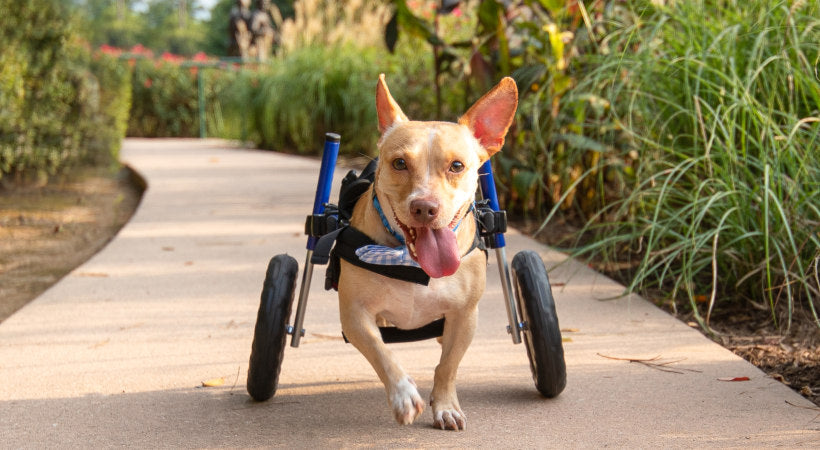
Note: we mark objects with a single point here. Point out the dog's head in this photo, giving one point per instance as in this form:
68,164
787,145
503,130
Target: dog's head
428,171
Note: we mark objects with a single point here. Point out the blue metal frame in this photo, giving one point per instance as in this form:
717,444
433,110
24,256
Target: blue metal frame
329,156
488,192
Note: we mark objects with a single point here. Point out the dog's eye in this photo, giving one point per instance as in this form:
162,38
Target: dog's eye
456,166
399,164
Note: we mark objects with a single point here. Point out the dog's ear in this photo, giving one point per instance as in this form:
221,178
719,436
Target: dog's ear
387,108
491,116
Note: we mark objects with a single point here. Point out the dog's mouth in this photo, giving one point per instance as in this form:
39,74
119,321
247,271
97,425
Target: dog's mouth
435,249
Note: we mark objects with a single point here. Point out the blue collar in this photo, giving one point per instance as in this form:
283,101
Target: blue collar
398,236
378,207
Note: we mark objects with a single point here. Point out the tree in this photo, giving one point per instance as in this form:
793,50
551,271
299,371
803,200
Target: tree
106,22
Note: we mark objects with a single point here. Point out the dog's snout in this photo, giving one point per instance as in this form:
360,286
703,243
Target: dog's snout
424,211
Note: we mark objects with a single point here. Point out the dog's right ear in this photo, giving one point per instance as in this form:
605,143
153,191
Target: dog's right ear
491,116
386,108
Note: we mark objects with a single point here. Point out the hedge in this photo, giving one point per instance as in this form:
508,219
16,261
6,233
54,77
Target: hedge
59,104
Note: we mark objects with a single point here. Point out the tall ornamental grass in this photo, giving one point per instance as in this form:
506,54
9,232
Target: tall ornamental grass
322,79
721,101
315,90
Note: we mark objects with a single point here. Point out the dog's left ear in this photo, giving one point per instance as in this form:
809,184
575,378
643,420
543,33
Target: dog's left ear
491,116
387,109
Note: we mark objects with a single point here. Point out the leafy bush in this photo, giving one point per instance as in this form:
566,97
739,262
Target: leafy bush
164,100
228,93
53,97
721,121
107,120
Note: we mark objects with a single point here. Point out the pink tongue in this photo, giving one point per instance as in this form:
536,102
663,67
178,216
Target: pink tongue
437,251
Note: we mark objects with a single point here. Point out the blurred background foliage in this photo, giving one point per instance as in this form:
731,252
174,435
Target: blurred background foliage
676,153
59,103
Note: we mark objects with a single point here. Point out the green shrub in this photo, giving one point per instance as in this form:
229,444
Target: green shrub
164,100
315,90
53,98
228,92
107,117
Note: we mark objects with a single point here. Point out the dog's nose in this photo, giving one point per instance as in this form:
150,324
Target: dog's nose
424,211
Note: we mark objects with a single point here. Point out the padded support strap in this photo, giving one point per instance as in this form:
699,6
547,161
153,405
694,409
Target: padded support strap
391,335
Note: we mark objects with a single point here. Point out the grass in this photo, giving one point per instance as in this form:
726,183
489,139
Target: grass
321,80
724,115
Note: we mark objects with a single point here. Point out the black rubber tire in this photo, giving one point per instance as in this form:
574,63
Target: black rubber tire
542,335
269,336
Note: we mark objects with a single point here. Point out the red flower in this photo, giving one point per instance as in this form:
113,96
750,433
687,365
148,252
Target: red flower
172,58
140,49
148,83
110,50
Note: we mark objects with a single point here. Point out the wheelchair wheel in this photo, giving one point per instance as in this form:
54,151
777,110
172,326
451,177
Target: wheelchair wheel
270,333
542,335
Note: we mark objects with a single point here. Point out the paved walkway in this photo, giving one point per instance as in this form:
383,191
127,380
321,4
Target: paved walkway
114,354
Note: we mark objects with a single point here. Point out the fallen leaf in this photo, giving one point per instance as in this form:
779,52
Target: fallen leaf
213,382
100,344
566,339
569,330
92,274
733,379
779,378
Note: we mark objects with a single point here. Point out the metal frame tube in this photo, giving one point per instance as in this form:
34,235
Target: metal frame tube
514,327
297,330
488,192
330,153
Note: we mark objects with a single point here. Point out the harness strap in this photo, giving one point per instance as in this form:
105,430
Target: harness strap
322,249
351,239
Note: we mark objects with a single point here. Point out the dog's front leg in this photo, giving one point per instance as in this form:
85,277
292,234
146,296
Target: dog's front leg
459,328
361,330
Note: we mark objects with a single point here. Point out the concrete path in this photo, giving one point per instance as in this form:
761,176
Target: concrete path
115,353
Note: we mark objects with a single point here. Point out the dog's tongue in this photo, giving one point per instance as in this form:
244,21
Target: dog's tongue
437,251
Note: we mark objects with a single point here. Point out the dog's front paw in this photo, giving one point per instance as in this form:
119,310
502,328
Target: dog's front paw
450,419
406,401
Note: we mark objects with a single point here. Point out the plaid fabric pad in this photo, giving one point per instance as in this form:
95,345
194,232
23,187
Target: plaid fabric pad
386,256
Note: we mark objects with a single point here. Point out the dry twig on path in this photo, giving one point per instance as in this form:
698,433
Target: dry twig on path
654,363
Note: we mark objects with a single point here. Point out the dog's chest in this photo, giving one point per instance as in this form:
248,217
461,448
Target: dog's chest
419,305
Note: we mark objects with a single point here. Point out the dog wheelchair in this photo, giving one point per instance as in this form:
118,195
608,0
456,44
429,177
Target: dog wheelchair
527,292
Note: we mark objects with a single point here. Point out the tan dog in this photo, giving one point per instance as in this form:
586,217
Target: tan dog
425,182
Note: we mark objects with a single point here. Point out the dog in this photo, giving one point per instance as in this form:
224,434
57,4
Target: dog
422,203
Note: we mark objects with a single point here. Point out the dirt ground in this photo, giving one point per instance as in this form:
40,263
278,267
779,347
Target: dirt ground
47,231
